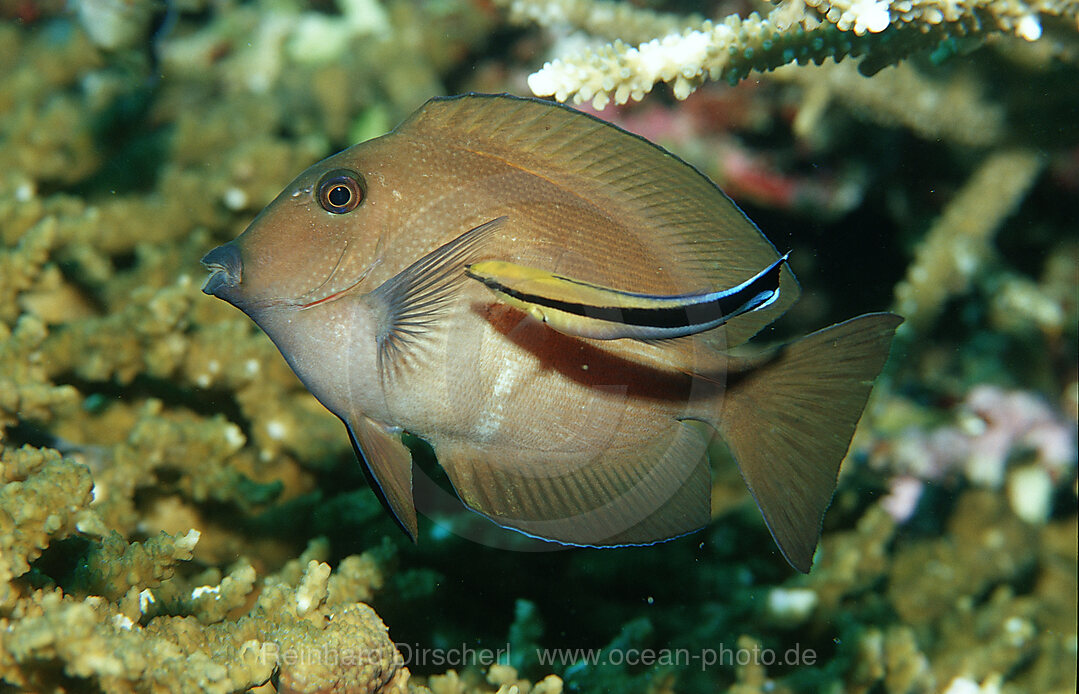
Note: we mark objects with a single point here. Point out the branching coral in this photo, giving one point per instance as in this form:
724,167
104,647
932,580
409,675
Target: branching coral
960,581
345,649
603,18
96,642
119,371
960,240
43,498
883,31
45,129
953,110
24,392
114,566
122,621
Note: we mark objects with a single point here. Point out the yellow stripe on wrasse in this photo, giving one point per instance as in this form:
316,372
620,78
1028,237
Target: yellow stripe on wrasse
582,309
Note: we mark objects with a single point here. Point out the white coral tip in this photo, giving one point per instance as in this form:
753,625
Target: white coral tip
188,541
1029,28
871,16
541,83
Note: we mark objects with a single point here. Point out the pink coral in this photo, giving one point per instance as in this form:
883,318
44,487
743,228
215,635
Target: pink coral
992,427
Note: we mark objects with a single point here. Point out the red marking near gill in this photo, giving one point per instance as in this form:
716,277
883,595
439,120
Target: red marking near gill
335,295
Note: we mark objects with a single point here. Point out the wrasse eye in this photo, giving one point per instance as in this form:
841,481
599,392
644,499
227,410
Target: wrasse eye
340,191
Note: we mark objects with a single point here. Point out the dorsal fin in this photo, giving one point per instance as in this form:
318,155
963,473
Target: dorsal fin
649,188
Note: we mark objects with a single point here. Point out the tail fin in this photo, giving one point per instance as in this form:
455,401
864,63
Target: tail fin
789,422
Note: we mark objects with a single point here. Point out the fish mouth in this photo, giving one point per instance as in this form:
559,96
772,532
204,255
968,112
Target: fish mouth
226,269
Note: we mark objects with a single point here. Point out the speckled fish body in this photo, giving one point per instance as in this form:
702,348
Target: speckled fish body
357,271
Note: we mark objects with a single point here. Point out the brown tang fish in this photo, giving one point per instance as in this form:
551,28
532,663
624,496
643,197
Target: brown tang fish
547,300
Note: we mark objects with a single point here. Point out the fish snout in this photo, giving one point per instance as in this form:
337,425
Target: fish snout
226,269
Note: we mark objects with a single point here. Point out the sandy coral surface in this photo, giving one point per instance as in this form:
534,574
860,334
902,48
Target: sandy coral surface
178,514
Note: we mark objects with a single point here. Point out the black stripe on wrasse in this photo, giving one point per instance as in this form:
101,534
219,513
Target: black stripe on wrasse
687,310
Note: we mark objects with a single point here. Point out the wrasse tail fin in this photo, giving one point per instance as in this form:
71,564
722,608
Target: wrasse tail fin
789,423
387,464
410,301
620,496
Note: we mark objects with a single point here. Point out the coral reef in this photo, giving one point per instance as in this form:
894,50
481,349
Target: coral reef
880,31
176,512
958,242
991,431
123,617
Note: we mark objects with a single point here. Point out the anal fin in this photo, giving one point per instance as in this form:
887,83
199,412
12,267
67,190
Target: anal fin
387,463
626,495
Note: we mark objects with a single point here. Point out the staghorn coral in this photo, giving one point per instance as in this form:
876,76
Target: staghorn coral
953,109
960,240
983,548
964,609
44,498
883,31
103,340
24,392
114,566
47,127
346,650
119,620
996,637
603,18
95,642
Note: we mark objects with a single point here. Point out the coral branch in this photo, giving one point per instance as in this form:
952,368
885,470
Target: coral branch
884,31
954,109
604,18
959,241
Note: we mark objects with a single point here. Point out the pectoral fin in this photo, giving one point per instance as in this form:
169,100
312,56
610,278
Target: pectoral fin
387,463
581,309
410,302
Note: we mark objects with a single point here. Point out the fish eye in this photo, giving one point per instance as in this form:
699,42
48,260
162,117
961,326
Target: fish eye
340,191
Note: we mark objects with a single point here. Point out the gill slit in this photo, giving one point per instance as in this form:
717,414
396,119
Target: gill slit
337,266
